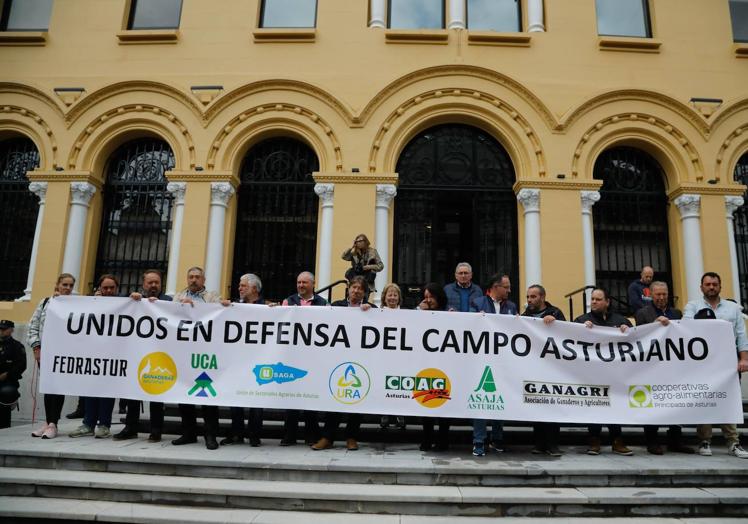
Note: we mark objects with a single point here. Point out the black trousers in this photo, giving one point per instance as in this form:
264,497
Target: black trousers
53,407
7,391
546,434
188,412
254,422
674,435
291,424
332,421
613,429
133,415
428,430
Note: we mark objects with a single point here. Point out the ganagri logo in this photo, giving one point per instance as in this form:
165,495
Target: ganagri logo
430,387
157,373
279,373
640,396
485,397
349,383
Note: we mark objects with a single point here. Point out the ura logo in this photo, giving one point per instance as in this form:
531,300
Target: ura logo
349,383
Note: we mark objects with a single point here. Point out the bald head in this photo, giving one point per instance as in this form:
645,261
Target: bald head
647,275
305,285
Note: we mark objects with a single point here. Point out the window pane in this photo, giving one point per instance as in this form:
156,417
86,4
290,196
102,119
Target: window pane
289,13
494,15
416,14
29,15
739,15
622,18
155,14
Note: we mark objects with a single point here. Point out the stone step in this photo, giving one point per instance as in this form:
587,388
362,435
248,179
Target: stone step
374,498
58,510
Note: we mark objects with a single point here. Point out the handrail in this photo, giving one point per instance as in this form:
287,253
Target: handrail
622,304
329,289
578,290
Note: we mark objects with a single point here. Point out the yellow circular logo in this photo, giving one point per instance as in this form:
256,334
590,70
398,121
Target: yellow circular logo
431,388
157,373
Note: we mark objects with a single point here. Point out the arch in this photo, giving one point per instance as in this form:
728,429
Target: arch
726,112
33,92
106,132
494,116
258,123
669,146
22,121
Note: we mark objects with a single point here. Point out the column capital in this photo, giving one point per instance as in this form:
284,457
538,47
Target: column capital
178,189
589,199
530,199
220,193
689,206
325,192
40,190
732,203
385,194
82,192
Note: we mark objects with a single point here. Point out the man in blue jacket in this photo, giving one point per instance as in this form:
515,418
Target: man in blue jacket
462,292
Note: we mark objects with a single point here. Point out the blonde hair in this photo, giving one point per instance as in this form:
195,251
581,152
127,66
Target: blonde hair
396,288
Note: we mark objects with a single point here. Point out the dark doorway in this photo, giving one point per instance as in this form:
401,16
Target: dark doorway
741,231
455,203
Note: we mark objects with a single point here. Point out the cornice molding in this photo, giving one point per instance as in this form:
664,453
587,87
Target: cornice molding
698,189
356,178
202,176
63,176
576,185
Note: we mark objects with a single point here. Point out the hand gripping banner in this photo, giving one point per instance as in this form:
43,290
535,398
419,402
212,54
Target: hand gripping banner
395,362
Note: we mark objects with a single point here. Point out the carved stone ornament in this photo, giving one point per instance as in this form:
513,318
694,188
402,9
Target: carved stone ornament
325,193
221,193
530,199
732,203
385,194
82,192
589,199
689,206
178,189
40,190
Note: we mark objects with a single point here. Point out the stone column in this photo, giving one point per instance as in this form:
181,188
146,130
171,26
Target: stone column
732,203
689,207
326,193
40,190
220,194
385,194
377,10
535,16
177,189
530,200
589,199
81,194
456,14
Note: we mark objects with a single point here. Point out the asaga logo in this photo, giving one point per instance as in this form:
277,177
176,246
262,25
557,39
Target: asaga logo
157,373
349,383
640,396
280,373
485,397
430,387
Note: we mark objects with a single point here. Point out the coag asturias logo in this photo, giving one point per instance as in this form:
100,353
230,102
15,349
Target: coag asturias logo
157,373
349,383
430,387
280,373
640,396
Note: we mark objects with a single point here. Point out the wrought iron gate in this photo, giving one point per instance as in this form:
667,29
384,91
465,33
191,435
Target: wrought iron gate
136,221
454,203
18,211
276,227
630,222
741,231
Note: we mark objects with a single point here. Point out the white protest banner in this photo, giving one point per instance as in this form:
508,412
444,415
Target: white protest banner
395,362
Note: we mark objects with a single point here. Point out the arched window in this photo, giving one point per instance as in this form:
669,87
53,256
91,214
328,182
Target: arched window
454,203
630,222
741,231
276,224
136,222
18,210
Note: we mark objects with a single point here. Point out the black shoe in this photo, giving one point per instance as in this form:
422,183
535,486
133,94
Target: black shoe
441,446
425,446
75,414
184,439
255,442
286,441
211,442
126,433
154,437
228,441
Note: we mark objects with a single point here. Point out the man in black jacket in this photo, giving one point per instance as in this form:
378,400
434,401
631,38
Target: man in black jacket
12,366
600,315
545,434
659,311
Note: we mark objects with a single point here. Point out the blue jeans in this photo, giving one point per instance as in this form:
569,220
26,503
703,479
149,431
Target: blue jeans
98,410
479,430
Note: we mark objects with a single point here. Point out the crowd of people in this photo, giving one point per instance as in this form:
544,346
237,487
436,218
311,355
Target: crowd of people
651,300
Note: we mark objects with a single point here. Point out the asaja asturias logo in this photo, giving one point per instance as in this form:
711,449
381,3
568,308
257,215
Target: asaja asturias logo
157,373
349,383
640,396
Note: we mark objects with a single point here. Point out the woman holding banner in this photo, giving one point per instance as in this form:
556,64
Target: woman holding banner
392,298
52,403
434,299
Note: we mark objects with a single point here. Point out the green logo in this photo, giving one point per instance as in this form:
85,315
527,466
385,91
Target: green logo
484,397
203,386
640,396
487,383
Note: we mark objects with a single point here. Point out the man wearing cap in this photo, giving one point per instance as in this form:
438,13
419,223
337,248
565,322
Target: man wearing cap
12,366
712,306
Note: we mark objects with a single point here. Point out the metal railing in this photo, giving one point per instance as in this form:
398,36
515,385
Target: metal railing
622,305
329,289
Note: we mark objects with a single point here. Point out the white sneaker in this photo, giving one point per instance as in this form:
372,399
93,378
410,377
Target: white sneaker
51,432
39,432
102,432
705,449
737,451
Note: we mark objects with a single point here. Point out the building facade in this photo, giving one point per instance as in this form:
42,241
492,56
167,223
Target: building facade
564,142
